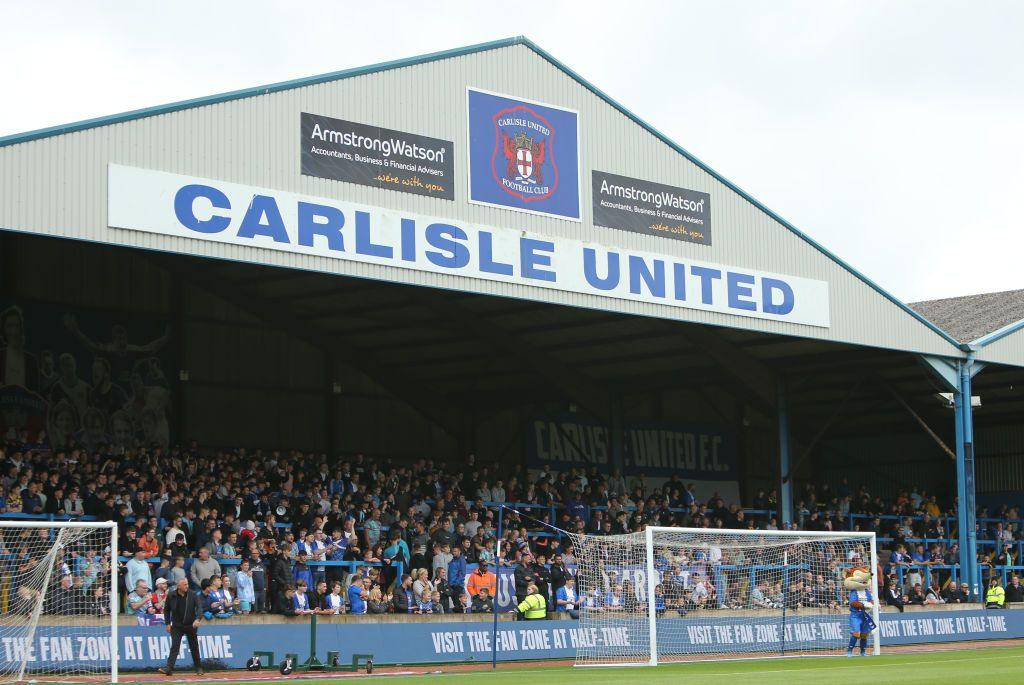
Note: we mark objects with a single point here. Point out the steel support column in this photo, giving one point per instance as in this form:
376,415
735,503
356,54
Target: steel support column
785,481
956,376
966,507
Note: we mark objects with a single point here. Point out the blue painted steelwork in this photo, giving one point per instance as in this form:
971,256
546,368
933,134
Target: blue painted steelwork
997,334
966,524
494,628
967,415
785,484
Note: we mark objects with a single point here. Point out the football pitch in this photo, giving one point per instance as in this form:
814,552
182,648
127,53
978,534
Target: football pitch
985,666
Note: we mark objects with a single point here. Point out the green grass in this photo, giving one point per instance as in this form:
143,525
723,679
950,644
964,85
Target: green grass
991,666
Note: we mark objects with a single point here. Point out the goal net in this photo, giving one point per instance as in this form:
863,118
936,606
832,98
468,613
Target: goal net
57,610
682,594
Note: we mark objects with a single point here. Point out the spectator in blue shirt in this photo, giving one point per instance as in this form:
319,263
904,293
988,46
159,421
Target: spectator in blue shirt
425,604
457,578
899,557
919,555
357,595
301,572
300,600
398,550
566,599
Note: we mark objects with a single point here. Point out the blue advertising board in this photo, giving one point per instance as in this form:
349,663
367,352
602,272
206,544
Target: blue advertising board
523,155
229,645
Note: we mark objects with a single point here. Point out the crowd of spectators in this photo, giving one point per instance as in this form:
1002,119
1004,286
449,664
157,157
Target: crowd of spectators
249,530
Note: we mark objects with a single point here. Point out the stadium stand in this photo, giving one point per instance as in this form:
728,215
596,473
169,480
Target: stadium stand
292,532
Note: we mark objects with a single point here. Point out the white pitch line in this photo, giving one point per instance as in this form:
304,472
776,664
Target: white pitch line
845,667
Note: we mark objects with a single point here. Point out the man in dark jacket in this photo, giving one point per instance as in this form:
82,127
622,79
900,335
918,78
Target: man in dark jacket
258,571
958,594
404,600
893,595
559,572
1015,590
542,579
284,601
182,616
279,572
524,577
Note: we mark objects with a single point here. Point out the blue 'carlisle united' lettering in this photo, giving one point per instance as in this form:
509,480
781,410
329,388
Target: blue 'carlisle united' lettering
171,204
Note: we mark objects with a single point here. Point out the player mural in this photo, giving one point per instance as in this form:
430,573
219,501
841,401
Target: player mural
82,378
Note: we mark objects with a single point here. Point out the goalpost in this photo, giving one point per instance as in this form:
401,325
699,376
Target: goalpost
682,594
58,600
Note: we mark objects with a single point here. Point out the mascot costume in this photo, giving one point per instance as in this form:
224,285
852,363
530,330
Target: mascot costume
858,582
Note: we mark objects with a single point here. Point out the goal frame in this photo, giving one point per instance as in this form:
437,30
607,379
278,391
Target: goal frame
652,617
6,524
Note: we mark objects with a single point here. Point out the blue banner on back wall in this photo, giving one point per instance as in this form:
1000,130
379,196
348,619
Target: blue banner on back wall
660,450
449,642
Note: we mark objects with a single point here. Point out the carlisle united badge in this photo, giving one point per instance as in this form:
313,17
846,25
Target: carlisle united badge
525,140
523,155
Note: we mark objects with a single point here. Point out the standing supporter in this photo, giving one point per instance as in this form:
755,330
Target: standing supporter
542,578
405,594
284,601
482,579
894,594
137,569
300,599
1015,590
334,603
258,574
301,572
357,596
203,568
244,588
335,551
457,578
567,600
524,577
419,541
279,573
149,545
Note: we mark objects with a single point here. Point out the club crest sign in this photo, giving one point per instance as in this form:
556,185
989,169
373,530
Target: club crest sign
523,155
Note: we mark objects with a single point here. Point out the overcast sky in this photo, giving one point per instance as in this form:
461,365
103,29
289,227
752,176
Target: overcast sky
891,132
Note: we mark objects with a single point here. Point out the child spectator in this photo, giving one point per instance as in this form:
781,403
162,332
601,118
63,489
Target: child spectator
300,600
334,603
425,604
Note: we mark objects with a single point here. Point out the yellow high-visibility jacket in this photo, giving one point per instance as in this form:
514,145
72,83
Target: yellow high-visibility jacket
533,607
